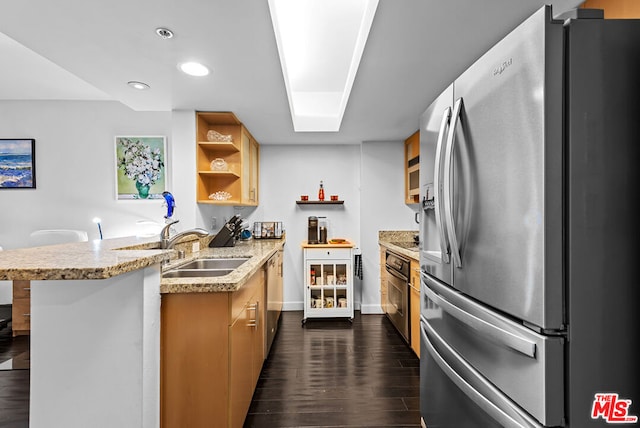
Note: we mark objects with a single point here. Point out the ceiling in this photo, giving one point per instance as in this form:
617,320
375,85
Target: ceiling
83,50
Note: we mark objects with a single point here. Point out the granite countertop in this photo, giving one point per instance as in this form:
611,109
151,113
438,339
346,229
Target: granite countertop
102,259
400,242
259,251
99,259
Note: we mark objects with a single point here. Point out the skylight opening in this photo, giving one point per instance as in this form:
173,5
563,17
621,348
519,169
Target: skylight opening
320,43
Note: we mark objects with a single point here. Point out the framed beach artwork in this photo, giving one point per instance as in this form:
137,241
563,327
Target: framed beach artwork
18,163
140,167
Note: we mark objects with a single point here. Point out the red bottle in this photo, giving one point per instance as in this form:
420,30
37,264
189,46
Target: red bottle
321,192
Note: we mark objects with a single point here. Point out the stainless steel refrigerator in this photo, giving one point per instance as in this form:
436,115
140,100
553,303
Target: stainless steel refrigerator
530,232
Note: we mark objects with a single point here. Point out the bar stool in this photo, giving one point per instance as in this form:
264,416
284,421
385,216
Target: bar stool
56,236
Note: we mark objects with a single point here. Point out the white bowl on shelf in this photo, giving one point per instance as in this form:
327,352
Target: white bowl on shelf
220,196
219,164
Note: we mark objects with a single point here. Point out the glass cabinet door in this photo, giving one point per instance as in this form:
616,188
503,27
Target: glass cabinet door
327,284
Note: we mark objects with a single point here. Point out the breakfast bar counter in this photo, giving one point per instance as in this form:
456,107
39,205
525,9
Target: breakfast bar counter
95,324
95,331
99,259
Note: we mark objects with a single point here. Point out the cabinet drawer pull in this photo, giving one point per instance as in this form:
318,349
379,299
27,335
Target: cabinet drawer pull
26,315
255,321
27,289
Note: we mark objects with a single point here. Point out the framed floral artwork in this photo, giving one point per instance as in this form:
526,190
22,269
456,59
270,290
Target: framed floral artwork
140,167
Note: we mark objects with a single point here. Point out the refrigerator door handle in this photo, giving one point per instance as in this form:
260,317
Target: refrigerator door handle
448,183
492,331
444,242
500,408
455,306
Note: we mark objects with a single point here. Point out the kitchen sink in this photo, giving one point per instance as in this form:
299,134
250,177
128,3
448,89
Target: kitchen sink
195,273
206,267
226,263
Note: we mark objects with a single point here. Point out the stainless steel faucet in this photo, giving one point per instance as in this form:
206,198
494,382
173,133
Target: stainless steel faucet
168,243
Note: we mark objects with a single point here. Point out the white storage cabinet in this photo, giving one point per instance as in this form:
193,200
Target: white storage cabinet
328,282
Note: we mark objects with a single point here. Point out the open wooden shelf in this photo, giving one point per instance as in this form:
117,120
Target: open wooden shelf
233,202
219,145
220,173
241,156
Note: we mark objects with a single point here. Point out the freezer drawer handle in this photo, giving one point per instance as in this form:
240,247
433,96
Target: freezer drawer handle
496,410
448,184
496,333
444,242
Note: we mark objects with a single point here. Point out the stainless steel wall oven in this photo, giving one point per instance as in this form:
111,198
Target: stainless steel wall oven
397,305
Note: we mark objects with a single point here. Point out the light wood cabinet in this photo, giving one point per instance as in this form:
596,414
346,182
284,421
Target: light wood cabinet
240,388
383,280
414,307
212,350
250,171
246,347
235,168
615,9
21,308
412,169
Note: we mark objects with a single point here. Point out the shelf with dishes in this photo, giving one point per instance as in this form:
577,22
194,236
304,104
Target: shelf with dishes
328,298
227,160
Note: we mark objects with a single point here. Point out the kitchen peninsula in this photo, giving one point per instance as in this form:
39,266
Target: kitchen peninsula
96,325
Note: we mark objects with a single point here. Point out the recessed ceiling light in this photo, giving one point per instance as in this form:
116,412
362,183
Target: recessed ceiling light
141,86
194,69
164,33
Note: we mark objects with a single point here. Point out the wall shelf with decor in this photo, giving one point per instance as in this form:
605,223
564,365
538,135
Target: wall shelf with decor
227,159
320,202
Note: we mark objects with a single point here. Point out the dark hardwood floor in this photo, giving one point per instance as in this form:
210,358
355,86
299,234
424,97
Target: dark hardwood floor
330,373
14,384
334,374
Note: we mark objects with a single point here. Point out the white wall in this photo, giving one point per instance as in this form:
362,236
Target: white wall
383,208
288,171
75,167
368,177
183,162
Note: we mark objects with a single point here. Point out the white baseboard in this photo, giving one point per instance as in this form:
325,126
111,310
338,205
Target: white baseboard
371,309
292,306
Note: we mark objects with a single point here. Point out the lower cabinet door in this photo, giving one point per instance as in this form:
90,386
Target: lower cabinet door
414,307
241,338
21,315
414,328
